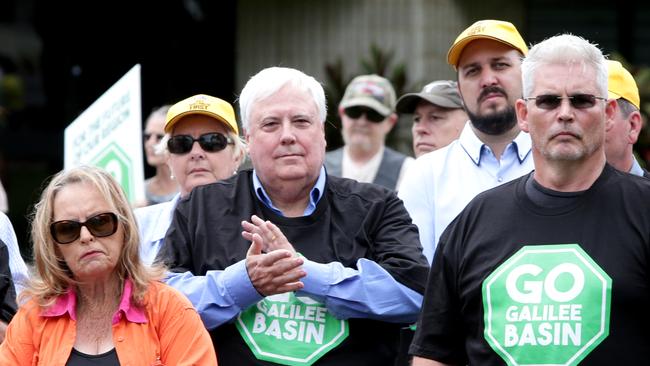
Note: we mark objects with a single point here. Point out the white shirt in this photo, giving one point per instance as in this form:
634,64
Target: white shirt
19,273
441,183
367,171
153,222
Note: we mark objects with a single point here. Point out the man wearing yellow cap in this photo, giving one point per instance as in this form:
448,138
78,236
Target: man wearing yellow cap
491,150
626,125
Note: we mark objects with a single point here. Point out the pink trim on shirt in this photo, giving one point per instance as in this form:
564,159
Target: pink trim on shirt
67,303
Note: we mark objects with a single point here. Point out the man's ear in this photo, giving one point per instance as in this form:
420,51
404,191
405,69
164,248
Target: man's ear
611,108
522,115
635,121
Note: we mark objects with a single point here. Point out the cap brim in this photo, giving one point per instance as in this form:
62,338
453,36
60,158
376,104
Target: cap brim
408,102
367,102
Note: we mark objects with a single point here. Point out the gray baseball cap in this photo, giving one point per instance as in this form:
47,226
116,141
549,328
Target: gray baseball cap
443,93
372,91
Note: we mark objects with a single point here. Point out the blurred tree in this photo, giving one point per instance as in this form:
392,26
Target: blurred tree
378,62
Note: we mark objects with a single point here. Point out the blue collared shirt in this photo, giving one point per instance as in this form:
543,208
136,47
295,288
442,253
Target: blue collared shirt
441,183
636,168
314,195
366,292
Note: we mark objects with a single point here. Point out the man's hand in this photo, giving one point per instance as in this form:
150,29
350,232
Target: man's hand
273,273
271,235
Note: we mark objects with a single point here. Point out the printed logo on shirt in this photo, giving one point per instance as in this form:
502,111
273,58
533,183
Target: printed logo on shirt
547,305
290,330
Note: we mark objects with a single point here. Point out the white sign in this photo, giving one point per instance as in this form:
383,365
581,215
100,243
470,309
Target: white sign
109,135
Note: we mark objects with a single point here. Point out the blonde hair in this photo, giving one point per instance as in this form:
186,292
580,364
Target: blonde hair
52,276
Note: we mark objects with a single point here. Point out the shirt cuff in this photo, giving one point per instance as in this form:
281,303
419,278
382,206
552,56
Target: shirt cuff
318,278
239,285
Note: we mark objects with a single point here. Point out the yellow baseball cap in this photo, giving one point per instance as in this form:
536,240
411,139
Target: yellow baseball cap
202,104
496,30
621,84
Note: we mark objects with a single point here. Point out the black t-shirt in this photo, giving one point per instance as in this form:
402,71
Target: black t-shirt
81,359
609,224
351,221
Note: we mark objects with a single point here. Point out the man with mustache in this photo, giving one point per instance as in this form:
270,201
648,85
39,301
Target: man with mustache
335,268
367,117
491,149
551,268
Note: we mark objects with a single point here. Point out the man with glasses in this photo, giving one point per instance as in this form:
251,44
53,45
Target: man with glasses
366,112
624,130
335,268
491,150
438,115
551,268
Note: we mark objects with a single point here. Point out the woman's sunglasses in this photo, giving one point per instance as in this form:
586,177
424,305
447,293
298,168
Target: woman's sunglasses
371,114
209,142
100,225
578,101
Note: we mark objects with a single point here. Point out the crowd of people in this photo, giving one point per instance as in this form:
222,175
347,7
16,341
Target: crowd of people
518,236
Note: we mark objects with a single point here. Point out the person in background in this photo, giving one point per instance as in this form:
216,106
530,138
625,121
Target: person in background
18,269
366,112
7,291
162,186
491,149
627,122
203,146
551,268
341,258
438,115
91,300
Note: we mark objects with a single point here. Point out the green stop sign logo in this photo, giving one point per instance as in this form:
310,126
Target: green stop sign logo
290,330
118,164
547,304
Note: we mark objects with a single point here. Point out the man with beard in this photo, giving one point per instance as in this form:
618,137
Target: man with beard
366,112
491,150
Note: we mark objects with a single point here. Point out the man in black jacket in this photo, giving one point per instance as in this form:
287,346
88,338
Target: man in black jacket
335,269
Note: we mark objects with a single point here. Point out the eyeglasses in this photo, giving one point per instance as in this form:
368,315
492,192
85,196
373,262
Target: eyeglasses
147,136
371,114
209,142
100,225
578,101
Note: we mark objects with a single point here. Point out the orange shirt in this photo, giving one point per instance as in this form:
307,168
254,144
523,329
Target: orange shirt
167,331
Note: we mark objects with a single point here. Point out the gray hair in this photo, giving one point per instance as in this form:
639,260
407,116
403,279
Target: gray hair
269,81
564,49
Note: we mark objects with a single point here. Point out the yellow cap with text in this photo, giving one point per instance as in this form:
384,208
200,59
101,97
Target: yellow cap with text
205,105
496,30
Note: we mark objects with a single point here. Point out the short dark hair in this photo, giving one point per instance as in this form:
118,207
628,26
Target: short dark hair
626,107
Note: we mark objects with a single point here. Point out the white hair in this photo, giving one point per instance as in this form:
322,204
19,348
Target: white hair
564,49
269,81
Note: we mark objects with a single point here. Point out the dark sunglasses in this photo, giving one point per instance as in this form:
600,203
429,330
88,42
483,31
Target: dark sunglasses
100,225
147,136
209,142
371,114
578,101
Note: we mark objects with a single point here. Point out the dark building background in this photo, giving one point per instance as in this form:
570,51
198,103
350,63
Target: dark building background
57,57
